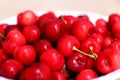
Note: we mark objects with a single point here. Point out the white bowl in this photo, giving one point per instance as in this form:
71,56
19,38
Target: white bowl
115,75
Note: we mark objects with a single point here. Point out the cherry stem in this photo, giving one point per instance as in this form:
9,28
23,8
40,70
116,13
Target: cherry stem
2,36
93,55
63,19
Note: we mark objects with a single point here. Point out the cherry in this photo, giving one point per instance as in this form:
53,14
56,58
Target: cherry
116,28
77,62
32,33
112,19
26,18
52,30
42,45
108,61
11,69
89,44
80,28
98,37
101,26
68,42
58,76
67,20
3,56
53,58
116,45
107,41
25,54
86,74
44,17
38,71
13,39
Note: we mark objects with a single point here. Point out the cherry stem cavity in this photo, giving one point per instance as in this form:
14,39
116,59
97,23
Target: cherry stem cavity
93,55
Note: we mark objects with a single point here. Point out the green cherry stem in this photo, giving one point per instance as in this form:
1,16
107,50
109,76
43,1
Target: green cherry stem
93,55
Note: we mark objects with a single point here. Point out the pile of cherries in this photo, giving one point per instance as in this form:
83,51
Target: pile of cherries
65,47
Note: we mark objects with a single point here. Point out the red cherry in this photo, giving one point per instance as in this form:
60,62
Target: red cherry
13,39
25,54
58,76
42,45
108,61
107,41
38,71
101,27
53,58
3,56
11,69
32,33
81,28
68,20
89,43
98,37
77,62
26,18
86,74
44,17
113,18
116,45
116,28
52,30
68,42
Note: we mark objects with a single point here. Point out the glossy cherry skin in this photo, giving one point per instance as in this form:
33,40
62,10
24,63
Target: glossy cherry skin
108,61
38,71
101,27
67,20
32,33
116,45
53,58
44,17
116,28
26,18
58,76
52,30
68,42
90,42
77,62
86,74
25,54
113,18
98,37
107,41
11,69
80,28
14,39
3,56
42,45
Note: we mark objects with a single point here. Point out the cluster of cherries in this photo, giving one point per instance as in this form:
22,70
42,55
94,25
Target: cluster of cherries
65,47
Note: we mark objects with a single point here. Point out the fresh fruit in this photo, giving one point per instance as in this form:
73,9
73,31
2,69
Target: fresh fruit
50,46
11,69
38,71
53,58
25,54
26,18
86,74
